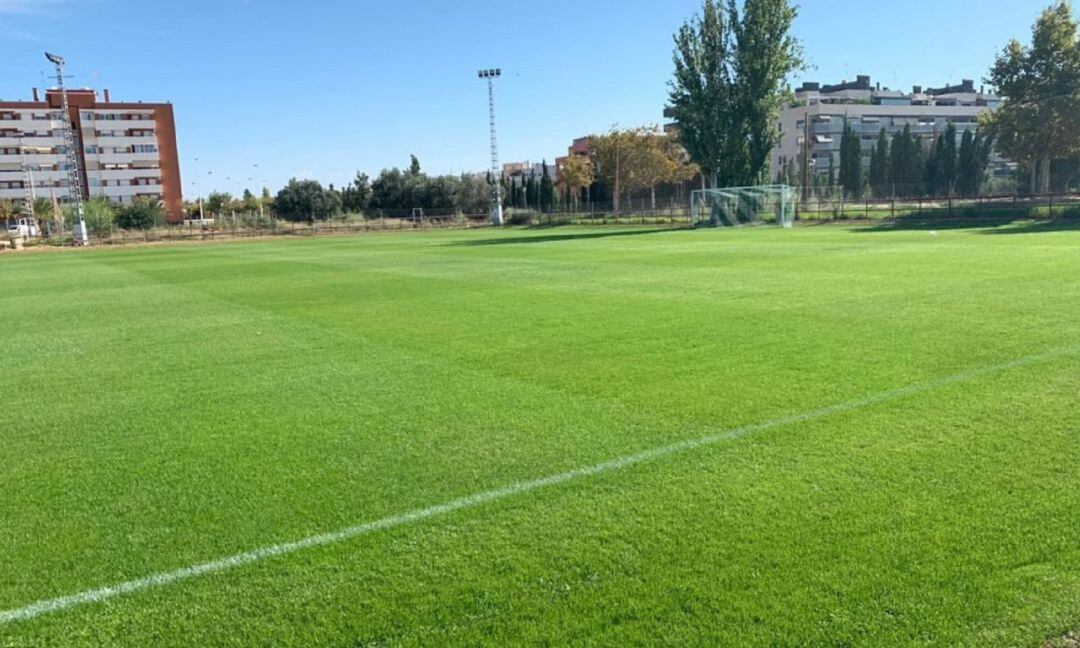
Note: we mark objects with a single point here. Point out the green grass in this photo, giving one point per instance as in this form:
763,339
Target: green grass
167,406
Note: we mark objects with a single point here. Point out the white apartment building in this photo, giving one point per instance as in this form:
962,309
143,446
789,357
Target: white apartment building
868,109
125,151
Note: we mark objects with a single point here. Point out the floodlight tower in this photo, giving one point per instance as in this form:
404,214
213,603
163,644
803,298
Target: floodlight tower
74,178
496,172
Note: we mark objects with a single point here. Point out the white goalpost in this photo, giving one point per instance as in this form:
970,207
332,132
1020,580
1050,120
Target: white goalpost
734,206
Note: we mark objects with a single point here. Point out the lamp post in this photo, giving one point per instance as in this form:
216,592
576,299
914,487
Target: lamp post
198,190
496,172
80,235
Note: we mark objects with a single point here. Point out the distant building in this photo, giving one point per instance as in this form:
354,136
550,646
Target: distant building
125,150
868,109
519,172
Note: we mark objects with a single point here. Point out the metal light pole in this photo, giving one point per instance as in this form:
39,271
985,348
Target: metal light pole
79,235
496,172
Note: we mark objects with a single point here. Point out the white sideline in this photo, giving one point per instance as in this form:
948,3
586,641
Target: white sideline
47,606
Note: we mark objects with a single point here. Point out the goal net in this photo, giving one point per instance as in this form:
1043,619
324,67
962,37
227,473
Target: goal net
733,206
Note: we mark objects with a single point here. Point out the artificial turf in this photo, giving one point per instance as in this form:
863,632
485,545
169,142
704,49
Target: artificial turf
168,406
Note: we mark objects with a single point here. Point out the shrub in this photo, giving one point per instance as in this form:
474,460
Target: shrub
143,214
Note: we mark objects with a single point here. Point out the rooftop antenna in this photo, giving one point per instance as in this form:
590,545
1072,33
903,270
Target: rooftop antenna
80,236
496,172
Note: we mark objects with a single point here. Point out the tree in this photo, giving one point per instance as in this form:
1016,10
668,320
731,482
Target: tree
765,55
48,214
356,195
619,158
306,200
851,161
7,210
142,214
249,204
879,166
547,189
971,163
906,163
947,156
414,166
472,195
940,169
98,213
729,84
218,202
1042,83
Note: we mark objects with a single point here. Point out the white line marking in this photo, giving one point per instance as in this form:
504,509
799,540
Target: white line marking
47,606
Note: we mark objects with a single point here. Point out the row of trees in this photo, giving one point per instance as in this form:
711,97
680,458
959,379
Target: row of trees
901,165
631,160
531,191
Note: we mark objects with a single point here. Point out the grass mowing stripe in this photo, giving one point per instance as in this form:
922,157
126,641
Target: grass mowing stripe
47,606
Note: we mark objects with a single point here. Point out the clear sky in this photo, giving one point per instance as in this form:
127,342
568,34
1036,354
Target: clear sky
324,88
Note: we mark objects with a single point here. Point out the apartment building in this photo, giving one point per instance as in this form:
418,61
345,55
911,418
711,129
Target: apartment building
868,108
520,172
124,150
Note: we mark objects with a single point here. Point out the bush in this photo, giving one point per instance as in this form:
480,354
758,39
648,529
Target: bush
98,214
140,215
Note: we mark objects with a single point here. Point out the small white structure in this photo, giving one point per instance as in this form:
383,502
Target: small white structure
23,226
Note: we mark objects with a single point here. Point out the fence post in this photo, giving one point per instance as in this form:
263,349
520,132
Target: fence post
1051,199
892,208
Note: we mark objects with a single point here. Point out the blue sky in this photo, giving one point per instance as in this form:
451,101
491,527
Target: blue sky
321,89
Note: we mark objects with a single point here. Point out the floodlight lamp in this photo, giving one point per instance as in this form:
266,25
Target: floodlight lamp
55,59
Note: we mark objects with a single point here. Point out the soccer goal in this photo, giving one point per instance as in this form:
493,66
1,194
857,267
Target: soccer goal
733,206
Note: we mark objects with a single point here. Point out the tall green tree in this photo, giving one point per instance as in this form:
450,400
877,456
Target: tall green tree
547,190
356,195
879,166
948,159
907,163
728,85
1038,122
765,55
971,163
940,168
851,161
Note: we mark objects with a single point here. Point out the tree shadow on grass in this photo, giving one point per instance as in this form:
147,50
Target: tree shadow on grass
563,236
1070,224
924,223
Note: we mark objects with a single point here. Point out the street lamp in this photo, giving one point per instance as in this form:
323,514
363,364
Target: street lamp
496,173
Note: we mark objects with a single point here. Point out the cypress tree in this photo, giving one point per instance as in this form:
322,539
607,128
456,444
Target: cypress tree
879,166
851,161
948,159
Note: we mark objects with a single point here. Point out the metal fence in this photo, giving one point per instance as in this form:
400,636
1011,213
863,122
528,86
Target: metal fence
974,210
957,211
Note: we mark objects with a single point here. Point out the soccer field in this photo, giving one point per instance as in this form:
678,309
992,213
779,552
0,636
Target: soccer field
562,436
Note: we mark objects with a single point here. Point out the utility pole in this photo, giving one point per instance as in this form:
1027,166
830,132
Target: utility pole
496,172
79,234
